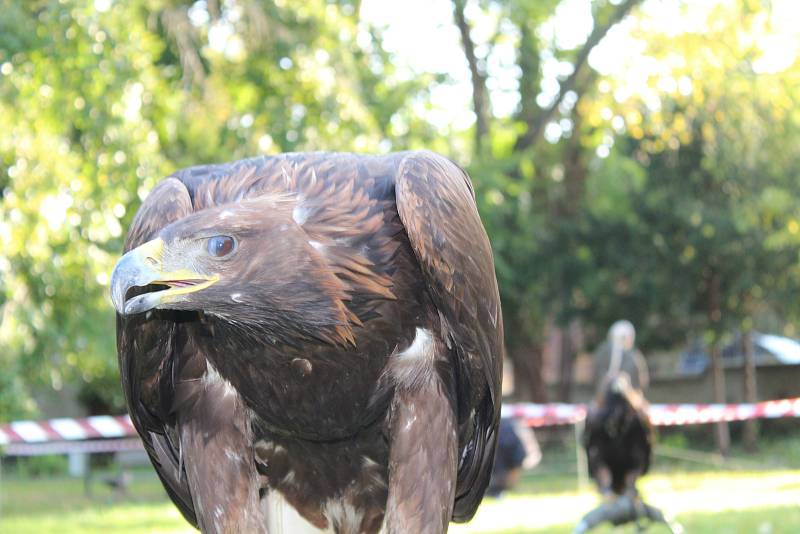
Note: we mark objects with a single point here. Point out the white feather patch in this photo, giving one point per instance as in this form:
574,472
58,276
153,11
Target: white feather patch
343,515
213,378
282,518
300,214
414,367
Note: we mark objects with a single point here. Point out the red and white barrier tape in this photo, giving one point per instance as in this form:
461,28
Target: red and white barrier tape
65,447
691,414
67,429
535,415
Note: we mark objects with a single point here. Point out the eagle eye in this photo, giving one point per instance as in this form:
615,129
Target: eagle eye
221,245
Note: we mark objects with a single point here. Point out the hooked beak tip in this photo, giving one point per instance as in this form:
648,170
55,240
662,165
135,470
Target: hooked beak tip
118,299
134,269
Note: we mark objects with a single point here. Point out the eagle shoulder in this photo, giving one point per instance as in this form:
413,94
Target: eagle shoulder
436,203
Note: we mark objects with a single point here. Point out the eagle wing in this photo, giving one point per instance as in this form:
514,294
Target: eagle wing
436,204
145,348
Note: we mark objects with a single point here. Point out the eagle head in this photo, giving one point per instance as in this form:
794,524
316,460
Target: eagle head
250,264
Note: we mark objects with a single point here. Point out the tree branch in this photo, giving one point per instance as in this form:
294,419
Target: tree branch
179,28
480,102
536,126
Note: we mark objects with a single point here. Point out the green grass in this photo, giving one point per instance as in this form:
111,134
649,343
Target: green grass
774,520
751,496
125,518
61,504
30,496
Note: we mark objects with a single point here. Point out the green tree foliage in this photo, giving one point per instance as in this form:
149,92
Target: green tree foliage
662,191
99,101
712,141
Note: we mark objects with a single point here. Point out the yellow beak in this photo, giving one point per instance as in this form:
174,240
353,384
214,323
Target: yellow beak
143,266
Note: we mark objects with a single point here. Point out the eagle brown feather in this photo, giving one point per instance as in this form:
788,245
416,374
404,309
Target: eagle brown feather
345,267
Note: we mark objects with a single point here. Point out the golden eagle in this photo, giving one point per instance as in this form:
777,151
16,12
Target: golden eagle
618,436
312,343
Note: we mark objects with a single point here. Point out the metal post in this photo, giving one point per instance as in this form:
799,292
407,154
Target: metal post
78,464
580,455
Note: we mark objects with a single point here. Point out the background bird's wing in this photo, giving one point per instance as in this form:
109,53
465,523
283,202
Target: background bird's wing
436,204
146,344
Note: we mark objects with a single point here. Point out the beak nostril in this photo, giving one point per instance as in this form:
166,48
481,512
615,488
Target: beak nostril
151,261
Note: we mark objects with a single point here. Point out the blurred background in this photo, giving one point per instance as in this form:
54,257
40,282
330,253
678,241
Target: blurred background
632,159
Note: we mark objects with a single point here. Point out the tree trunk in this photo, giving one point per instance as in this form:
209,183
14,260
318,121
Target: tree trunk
529,61
750,435
480,96
722,433
576,171
567,365
529,383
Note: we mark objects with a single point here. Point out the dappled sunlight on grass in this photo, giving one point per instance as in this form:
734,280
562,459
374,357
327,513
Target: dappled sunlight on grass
118,518
713,502
711,492
771,520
